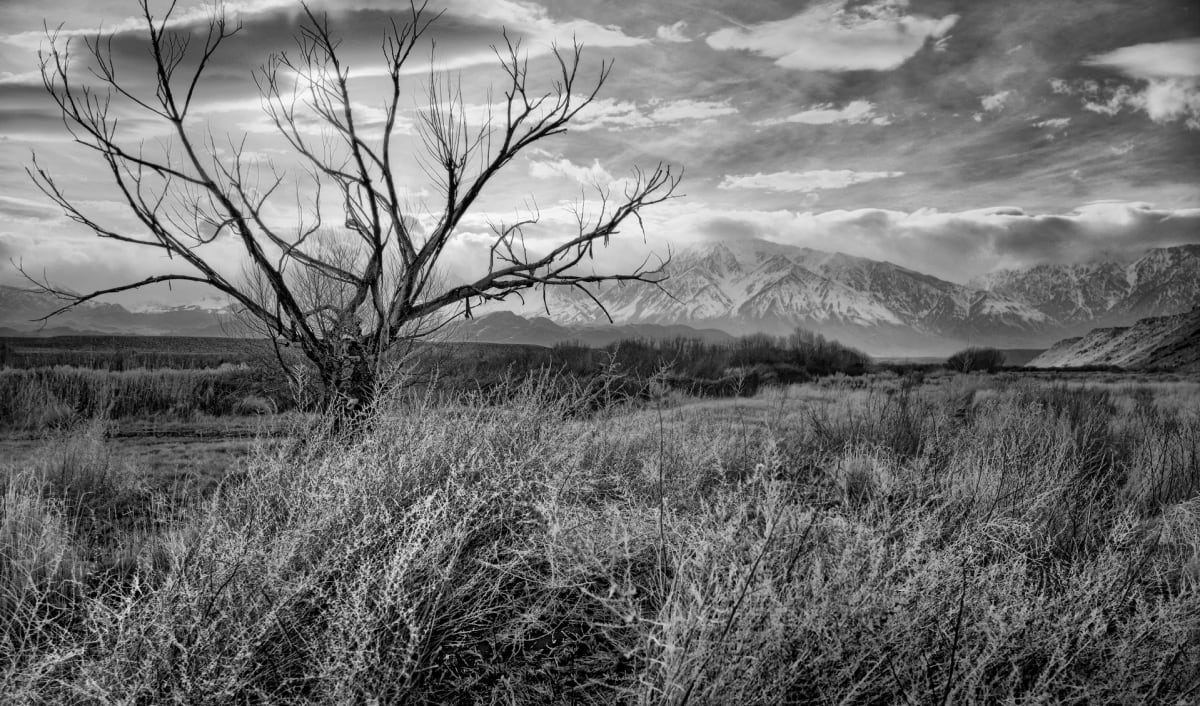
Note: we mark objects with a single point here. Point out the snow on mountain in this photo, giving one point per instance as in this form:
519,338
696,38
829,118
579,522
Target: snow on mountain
748,286
207,305
1163,281
757,285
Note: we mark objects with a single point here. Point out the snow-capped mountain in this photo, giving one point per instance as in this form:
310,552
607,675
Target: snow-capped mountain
762,286
1163,281
757,285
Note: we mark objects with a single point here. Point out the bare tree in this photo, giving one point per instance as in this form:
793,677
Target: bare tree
344,304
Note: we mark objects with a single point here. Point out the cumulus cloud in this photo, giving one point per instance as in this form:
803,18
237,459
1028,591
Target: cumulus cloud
853,113
674,33
1173,99
830,36
1164,101
996,101
809,181
1168,71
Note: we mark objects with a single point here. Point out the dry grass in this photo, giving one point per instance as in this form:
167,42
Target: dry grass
954,542
60,396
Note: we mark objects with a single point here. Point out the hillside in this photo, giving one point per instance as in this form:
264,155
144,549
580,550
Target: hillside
1169,342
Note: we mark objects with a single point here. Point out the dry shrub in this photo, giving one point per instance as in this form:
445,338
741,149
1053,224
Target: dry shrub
745,552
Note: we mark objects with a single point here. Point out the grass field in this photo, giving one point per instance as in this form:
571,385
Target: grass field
914,539
50,383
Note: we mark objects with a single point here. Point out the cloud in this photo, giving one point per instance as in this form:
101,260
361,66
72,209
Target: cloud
28,210
618,114
1173,99
1159,60
673,33
815,180
529,20
830,36
1164,101
1170,72
996,101
853,113
198,14
1053,123
688,109
86,263
559,168
952,245
251,117
533,20
24,78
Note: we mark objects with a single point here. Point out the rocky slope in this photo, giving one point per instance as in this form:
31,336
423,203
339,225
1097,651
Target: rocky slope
1168,342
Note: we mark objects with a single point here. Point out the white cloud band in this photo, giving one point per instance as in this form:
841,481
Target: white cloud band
809,181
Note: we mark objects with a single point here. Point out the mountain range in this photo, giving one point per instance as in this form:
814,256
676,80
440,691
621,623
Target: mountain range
886,309
732,288
1163,281
20,309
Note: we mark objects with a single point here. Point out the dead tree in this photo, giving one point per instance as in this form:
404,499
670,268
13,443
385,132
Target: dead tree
345,307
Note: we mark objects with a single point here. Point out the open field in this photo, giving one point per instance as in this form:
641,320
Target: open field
929,538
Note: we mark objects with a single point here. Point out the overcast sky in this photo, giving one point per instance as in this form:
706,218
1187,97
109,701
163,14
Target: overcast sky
950,137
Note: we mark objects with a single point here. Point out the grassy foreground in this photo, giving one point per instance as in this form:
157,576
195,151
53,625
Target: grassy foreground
957,541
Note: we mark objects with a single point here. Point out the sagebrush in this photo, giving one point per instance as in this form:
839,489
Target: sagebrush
938,543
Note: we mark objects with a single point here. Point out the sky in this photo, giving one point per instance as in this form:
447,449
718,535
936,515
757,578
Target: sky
952,137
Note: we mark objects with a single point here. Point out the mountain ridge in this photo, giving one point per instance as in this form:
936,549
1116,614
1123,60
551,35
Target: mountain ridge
1161,281
753,286
887,309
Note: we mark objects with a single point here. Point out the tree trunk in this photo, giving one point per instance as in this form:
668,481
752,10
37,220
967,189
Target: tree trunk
350,387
